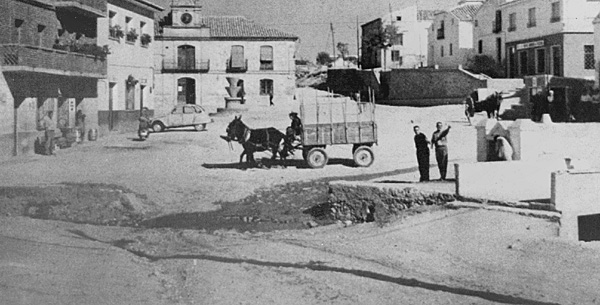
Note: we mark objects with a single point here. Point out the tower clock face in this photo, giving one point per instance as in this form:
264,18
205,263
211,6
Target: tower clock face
186,18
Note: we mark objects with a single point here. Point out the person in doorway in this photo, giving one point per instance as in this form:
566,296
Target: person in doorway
422,146
80,123
440,141
504,149
49,126
271,99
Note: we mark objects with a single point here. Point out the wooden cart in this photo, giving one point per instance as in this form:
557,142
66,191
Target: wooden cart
334,121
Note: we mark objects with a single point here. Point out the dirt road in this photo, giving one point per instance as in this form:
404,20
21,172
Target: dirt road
438,256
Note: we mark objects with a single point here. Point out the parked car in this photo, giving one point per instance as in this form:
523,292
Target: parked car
182,116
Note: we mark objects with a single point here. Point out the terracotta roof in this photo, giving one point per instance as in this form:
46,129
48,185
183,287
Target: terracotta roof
466,12
240,27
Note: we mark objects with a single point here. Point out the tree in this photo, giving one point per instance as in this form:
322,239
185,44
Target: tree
323,58
485,64
343,48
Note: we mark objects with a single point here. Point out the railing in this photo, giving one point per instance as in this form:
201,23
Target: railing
440,34
555,19
16,57
531,24
512,28
230,68
174,66
496,27
266,65
90,7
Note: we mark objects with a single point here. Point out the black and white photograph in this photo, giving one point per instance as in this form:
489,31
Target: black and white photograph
299,152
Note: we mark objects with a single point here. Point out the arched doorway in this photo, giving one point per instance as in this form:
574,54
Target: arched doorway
186,91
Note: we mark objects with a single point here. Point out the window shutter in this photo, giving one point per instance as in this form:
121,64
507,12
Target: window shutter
237,57
266,53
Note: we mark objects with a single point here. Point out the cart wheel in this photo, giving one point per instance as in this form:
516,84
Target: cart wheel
316,158
363,156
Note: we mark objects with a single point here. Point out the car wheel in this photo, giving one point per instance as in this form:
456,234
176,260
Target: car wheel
158,126
200,127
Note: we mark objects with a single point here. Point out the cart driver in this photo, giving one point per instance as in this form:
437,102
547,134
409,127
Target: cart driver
293,132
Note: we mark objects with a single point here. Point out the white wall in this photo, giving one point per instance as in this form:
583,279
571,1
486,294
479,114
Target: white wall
483,31
414,48
457,33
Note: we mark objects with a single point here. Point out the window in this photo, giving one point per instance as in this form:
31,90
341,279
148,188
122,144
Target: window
189,109
476,23
540,61
128,24
395,55
512,22
266,86
442,51
556,61
523,62
142,25
555,12
588,57
18,27
398,39
497,26
398,18
40,30
531,14
111,18
480,46
237,60
440,31
450,50
266,58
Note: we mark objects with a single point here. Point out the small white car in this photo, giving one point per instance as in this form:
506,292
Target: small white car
182,115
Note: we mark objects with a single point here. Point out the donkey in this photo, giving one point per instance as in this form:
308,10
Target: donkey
491,105
254,140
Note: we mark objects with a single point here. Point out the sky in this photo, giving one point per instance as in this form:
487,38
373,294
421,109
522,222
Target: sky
311,20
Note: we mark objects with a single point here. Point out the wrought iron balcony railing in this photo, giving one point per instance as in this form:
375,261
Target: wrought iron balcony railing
174,66
235,68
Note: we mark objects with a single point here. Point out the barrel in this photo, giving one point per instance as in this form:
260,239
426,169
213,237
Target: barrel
93,134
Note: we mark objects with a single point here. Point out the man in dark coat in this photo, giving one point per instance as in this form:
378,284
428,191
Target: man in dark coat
422,145
438,139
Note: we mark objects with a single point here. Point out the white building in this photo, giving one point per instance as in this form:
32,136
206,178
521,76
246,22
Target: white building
488,35
128,30
450,36
597,47
550,37
196,53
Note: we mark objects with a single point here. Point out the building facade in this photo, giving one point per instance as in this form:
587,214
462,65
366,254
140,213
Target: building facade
195,55
408,48
128,30
489,38
51,61
450,36
550,37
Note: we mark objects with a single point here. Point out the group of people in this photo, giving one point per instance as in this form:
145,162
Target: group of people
439,141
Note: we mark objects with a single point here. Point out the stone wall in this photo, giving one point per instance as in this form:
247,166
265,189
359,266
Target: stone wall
361,202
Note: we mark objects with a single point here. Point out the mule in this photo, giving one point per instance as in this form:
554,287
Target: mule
491,105
255,140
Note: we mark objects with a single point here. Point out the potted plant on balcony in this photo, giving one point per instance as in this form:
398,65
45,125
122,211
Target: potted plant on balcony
115,31
145,39
132,35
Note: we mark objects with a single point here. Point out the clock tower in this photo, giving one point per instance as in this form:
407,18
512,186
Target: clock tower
186,13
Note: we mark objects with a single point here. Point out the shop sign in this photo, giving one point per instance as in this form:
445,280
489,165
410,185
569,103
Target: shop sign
532,44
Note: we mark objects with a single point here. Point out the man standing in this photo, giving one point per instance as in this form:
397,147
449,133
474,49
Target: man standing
422,145
49,126
439,140
271,99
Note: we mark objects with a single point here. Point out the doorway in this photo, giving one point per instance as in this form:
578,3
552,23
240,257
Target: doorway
186,91
588,227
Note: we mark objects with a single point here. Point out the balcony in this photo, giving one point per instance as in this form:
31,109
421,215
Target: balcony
33,59
512,28
89,8
496,27
239,69
198,66
440,34
555,19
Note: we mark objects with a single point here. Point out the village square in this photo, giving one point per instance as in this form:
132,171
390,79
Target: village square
154,154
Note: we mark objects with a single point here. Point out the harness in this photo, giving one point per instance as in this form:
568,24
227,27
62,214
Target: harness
246,138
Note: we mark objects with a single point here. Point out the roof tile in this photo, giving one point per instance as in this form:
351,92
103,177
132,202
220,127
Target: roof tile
240,27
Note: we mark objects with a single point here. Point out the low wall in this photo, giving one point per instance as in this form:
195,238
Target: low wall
360,201
507,181
575,194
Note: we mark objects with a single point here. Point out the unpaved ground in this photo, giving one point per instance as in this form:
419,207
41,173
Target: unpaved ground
438,256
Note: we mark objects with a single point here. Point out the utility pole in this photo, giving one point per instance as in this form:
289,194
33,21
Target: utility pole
333,40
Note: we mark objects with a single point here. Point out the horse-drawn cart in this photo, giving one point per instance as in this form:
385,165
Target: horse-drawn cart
336,121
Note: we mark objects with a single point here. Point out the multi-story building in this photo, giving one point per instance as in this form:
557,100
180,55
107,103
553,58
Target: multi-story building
597,47
195,55
550,37
128,30
450,37
408,48
488,35
49,61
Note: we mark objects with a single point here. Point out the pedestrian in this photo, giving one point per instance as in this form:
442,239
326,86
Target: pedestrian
144,124
439,140
80,123
47,122
422,145
271,99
